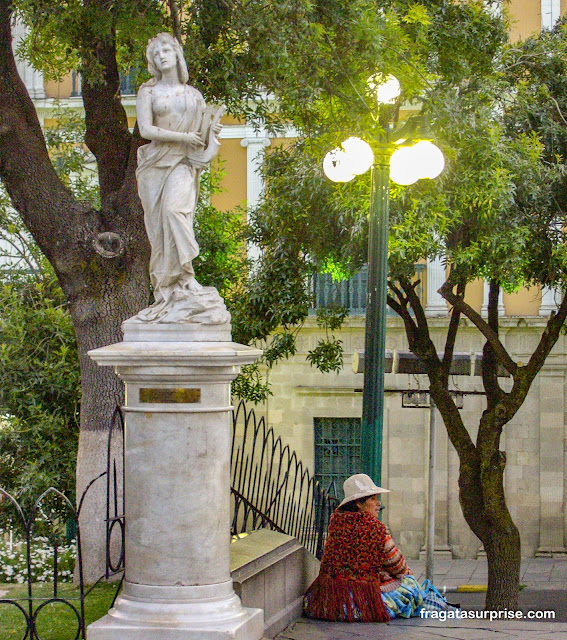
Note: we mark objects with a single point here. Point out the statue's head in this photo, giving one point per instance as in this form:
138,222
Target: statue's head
153,44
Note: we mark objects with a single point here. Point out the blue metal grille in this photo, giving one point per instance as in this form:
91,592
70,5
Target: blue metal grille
337,450
351,293
127,83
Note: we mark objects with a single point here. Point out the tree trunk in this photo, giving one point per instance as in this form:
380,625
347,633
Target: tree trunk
483,502
504,555
97,323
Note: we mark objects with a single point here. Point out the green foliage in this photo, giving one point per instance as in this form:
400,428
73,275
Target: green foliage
282,345
306,224
39,386
63,32
494,213
311,55
221,235
331,318
496,210
251,385
327,355
537,111
70,157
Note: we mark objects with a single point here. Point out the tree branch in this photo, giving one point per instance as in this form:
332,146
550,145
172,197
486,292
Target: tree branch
415,303
36,192
175,20
504,410
19,254
452,335
107,134
547,341
494,392
456,430
422,346
400,307
457,301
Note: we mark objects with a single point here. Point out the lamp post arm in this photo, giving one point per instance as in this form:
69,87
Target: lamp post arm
405,132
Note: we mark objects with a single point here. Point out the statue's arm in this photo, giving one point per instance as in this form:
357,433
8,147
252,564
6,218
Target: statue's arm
149,131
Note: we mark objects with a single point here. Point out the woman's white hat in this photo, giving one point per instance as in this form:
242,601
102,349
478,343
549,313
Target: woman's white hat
360,486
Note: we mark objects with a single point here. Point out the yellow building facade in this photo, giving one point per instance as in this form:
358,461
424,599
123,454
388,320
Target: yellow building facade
318,414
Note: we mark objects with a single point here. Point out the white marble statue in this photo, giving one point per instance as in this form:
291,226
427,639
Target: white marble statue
183,133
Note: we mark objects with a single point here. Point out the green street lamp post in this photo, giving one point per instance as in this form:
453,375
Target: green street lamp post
375,330
396,155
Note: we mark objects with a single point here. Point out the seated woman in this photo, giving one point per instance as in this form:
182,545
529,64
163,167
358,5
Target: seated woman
363,576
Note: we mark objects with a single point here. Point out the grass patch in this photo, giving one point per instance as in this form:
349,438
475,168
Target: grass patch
55,621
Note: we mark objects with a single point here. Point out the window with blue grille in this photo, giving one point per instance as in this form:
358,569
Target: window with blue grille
337,450
351,293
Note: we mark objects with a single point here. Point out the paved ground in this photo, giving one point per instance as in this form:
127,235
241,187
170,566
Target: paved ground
416,629
545,581
536,573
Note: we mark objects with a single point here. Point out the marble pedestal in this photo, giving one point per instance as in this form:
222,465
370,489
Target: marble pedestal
177,489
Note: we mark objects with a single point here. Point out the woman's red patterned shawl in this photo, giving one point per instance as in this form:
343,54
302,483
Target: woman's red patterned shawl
348,586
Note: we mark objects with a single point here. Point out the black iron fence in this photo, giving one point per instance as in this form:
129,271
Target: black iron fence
272,488
48,522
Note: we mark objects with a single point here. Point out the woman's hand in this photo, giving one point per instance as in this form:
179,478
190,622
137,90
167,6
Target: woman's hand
194,140
217,129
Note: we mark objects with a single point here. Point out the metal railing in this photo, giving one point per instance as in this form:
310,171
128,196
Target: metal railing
351,293
50,517
272,488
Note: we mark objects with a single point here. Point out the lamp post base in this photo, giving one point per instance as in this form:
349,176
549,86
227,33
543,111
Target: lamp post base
204,612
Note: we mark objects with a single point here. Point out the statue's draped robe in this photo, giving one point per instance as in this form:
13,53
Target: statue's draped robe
168,185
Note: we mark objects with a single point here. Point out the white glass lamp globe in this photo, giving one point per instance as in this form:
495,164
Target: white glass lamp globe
386,88
404,166
360,156
430,159
336,166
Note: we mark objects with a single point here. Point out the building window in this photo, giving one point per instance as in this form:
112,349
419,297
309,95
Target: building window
550,12
76,85
337,451
128,82
351,293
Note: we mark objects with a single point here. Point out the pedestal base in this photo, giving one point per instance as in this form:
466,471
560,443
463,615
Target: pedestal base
206,612
177,485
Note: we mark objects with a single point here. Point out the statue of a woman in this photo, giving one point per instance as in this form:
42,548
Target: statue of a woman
183,131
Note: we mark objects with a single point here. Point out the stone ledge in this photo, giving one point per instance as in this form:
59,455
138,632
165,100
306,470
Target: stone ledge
271,571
